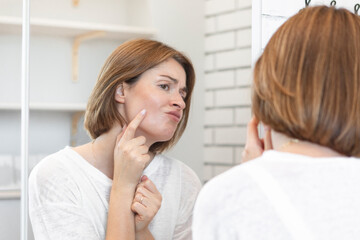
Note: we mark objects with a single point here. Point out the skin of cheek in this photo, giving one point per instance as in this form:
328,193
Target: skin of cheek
156,124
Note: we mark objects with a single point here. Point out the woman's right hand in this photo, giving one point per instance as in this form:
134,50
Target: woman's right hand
255,146
130,154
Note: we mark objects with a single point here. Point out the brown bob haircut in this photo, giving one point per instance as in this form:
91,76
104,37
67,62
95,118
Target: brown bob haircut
306,83
126,64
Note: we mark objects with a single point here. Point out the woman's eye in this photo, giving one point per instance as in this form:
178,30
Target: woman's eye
183,96
164,86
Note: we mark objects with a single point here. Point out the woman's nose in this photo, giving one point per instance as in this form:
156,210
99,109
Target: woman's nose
178,101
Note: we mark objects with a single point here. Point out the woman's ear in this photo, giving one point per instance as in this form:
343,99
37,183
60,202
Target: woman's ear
119,94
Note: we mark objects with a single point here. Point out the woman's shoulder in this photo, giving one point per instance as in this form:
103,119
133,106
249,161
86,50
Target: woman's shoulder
229,177
53,163
52,178
54,169
228,186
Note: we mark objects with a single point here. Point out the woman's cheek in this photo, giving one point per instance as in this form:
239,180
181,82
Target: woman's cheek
151,120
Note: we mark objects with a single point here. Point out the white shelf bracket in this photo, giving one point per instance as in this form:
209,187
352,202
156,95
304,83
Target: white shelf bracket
74,126
75,3
75,51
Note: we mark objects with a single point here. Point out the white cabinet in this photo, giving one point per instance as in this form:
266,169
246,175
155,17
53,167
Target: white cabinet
63,68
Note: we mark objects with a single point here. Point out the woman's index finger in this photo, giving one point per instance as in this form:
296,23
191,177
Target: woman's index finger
133,125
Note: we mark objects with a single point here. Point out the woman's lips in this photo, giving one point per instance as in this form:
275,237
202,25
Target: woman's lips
176,116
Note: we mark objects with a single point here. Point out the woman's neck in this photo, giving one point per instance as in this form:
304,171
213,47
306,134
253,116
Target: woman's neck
283,143
100,152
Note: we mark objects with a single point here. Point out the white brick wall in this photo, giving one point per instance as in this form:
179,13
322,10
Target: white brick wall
230,136
227,82
221,79
222,41
238,152
208,173
209,99
243,77
233,97
210,25
243,4
216,117
242,115
243,38
208,136
218,155
219,6
220,169
209,62
235,20
234,58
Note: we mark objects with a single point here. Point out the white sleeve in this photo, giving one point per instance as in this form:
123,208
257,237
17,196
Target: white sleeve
190,187
61,221
55,208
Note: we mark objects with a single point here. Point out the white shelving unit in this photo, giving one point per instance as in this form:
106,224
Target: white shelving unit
116,20
56,99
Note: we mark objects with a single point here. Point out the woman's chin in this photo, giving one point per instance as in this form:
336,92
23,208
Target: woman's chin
164,137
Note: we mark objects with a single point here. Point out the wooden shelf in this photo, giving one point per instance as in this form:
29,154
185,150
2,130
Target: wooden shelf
63,28
65,107
10,194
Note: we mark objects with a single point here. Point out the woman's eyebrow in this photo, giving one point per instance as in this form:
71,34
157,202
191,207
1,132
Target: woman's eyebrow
172,79
175,81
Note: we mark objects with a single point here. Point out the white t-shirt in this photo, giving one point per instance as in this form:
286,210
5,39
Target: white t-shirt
68,198
318,196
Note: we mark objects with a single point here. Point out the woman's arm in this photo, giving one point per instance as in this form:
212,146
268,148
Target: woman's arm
130,158
120,223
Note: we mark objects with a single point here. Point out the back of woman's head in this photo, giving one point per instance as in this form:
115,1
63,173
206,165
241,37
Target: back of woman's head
307,81
126,64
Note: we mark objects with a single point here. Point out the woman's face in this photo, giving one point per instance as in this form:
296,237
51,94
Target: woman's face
161,91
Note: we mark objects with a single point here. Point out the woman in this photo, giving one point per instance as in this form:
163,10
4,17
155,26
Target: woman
113,187
302,180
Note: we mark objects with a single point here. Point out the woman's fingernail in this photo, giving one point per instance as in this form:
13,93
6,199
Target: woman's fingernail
143,111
